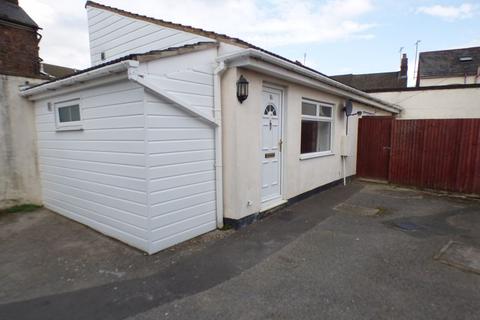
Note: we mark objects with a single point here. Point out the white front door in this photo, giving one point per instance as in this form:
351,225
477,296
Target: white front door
271,145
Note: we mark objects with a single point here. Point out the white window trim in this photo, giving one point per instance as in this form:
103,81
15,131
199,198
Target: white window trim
70,125
310,155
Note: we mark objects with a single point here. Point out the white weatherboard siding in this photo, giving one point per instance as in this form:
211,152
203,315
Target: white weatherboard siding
181,149
142,170
186,77
97,175
181,159
117,35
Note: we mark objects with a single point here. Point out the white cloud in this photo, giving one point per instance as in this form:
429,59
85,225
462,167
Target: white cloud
267,23
65,31
450,13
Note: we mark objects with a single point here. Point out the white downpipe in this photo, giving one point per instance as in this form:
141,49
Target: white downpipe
217,101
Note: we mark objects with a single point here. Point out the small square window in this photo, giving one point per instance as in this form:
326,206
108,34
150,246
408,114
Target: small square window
69,113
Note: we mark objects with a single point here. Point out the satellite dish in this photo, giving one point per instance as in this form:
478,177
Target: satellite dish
348,107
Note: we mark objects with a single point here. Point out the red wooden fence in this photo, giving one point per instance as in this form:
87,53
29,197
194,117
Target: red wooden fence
436,154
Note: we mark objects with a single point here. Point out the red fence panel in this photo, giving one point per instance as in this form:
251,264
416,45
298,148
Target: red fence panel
436,154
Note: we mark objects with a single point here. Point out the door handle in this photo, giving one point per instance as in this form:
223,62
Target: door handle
280,143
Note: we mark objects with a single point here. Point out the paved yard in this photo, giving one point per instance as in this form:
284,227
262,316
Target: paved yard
365,251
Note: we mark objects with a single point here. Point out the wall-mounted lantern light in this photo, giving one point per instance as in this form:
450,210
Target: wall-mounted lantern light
242,89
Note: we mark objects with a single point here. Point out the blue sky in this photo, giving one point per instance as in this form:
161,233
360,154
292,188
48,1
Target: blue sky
338,36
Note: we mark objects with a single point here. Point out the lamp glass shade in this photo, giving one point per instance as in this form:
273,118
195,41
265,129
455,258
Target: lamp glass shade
242,89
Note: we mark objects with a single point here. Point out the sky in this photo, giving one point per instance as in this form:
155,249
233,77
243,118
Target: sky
332,36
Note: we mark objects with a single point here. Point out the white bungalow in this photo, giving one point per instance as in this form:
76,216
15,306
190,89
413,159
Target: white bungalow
159,142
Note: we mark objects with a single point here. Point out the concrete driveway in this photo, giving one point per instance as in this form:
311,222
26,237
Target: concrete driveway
365,251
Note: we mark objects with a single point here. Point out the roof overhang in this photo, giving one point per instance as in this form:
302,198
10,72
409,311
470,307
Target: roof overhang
79,81
271,65
127,69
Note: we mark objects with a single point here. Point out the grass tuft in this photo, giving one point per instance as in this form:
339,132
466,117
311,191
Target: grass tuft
28,207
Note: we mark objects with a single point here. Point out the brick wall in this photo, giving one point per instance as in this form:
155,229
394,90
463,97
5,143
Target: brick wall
19,51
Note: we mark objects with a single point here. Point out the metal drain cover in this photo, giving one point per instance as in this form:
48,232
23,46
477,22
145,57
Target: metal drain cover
407,226
461,256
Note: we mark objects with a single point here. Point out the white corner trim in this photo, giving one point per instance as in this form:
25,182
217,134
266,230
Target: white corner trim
147,83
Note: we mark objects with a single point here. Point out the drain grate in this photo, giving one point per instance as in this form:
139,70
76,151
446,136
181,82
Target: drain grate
407,226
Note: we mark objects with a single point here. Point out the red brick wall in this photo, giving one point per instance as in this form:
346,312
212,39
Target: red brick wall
19,51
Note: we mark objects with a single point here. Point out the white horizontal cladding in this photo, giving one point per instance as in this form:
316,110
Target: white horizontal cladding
181,160
184,80
277,67
106,226
176,99
182,235
116,35
165,183
98,175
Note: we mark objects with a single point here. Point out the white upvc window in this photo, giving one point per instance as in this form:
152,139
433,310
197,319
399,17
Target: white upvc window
68,115
317,129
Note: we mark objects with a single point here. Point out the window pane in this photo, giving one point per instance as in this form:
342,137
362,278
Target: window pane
325,111
309,136
315,136
324,136
70,113
309,109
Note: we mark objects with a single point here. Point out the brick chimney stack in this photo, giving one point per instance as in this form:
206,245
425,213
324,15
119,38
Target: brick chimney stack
403,74
18,41
404,66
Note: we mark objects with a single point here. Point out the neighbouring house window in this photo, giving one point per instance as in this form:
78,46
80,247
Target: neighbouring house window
68,115
317,124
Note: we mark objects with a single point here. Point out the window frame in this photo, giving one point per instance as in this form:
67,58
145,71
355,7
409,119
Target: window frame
68,125
318,118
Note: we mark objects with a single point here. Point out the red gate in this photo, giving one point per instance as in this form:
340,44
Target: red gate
373,155
439,154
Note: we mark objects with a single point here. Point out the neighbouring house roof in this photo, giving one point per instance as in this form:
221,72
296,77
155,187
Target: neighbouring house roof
427,88
54,71
13,13
449,63
369,81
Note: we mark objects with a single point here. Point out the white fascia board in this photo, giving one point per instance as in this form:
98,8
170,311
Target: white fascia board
80,81
144,81
268,64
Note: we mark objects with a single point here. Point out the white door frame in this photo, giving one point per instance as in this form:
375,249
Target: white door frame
269,204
